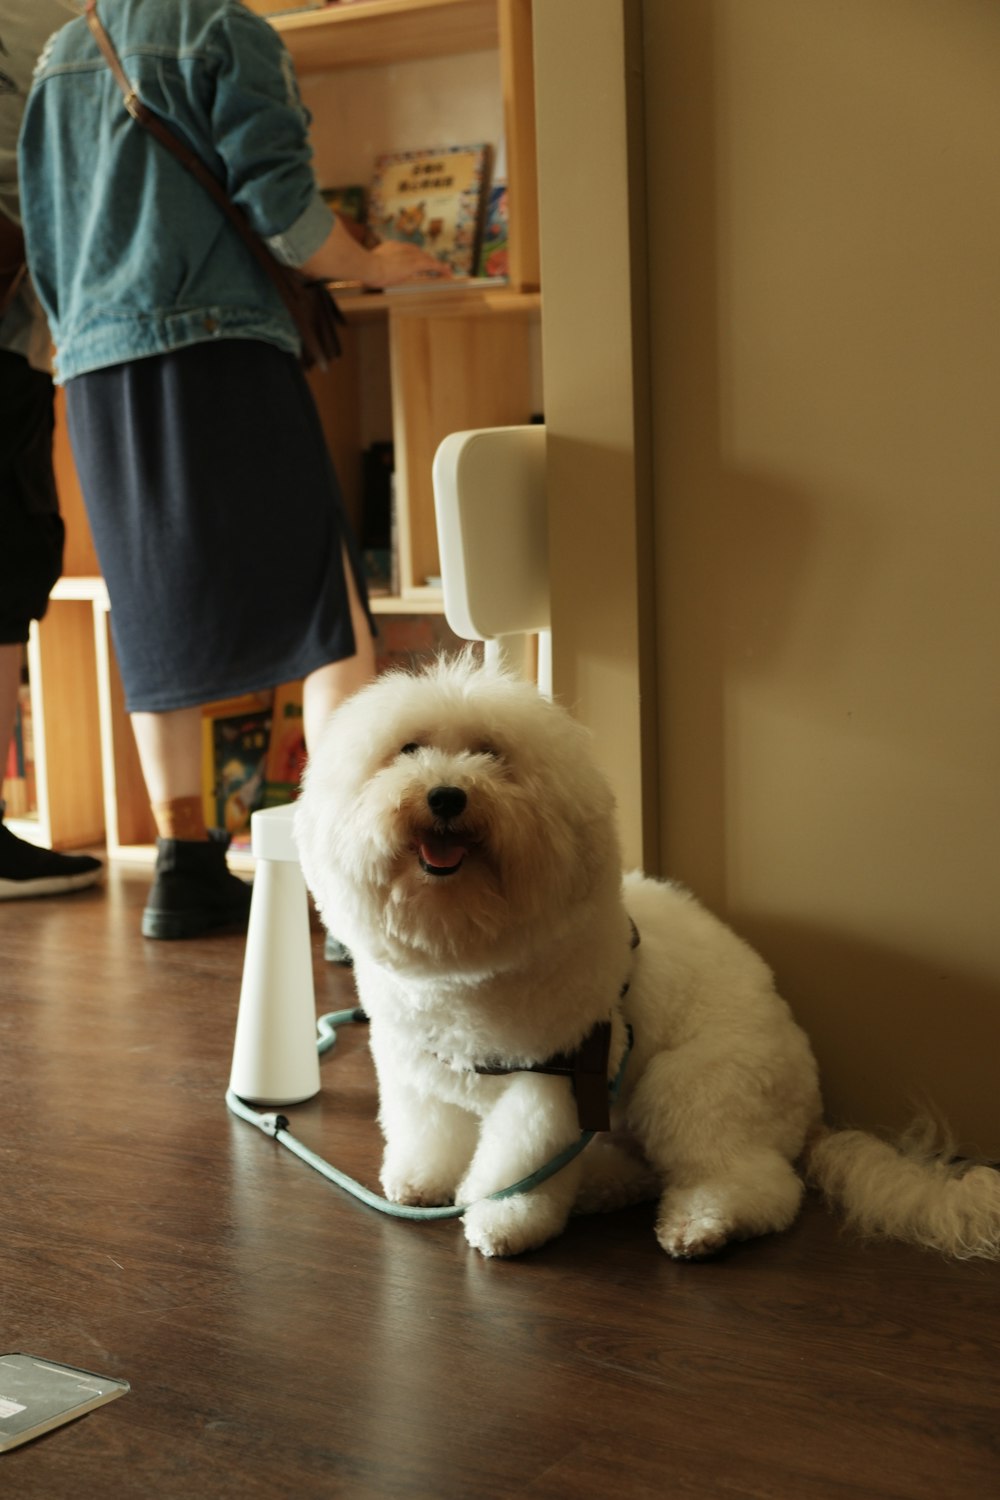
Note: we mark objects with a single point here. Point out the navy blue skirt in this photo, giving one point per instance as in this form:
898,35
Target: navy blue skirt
218,522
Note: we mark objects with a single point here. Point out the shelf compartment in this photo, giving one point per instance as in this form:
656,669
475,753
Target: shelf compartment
374,33
452,370
62,670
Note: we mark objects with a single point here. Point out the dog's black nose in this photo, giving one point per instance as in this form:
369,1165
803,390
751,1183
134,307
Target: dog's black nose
446,801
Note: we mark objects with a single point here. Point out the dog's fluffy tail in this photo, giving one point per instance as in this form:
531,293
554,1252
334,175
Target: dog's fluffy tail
914,1190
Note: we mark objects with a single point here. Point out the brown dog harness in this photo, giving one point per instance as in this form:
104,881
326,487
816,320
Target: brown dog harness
586,1066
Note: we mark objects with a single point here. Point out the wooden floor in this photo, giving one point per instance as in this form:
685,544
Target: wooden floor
283,1340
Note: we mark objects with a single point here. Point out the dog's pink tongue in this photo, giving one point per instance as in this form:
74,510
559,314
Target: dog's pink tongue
441,855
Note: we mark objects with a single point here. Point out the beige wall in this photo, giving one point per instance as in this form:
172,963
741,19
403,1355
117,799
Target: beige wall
824,220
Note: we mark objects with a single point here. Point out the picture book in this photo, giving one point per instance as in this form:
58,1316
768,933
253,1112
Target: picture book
19,790
493,258
235,739
286,750
350,205
432,198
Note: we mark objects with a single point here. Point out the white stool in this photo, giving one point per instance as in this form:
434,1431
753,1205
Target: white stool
275,1058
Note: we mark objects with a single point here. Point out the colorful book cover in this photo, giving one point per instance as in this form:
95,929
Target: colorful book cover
432,198
493,256
349,204
15,786
15,751
286,751
27,733
235,739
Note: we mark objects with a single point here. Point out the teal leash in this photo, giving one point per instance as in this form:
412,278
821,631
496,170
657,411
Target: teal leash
276,1125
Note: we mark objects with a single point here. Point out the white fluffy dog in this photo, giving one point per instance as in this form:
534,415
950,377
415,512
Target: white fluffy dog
458,837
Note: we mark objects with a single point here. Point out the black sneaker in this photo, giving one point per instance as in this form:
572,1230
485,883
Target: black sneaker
194,890
27,870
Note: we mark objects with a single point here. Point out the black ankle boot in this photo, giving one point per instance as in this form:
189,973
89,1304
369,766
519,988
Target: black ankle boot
194,890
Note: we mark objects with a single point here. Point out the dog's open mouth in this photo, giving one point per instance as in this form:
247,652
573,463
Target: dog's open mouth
441,854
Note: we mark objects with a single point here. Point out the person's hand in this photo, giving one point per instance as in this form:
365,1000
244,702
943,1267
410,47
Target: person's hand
394,261
342,258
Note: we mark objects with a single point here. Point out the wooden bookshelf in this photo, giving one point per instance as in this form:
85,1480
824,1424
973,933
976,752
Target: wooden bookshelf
453,358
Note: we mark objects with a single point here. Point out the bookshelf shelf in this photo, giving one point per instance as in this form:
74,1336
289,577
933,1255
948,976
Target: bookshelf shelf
443,302
439,360
85,586
367,33
417,602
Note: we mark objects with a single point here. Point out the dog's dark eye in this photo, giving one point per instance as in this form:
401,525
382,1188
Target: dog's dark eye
410,749
490,750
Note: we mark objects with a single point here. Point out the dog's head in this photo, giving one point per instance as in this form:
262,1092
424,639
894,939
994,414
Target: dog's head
450,819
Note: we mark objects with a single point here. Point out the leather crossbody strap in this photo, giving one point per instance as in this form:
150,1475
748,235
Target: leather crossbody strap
188,158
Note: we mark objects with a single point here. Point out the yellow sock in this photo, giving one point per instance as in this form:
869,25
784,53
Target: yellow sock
181,818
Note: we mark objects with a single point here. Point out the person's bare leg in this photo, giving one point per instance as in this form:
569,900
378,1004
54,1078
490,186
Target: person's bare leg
169,746
327,687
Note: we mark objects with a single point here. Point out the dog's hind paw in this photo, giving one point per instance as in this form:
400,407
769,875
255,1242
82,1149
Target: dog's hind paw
760,1197
511,1226
693,1238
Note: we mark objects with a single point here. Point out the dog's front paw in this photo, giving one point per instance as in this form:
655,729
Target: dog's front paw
415,1189
510,1226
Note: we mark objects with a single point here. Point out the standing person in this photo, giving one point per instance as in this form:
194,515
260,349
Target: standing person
215,511
31,529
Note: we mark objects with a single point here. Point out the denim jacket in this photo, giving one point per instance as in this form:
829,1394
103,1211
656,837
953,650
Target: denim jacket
25,26
129,254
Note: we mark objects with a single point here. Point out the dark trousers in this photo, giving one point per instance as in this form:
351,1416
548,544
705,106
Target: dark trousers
31,528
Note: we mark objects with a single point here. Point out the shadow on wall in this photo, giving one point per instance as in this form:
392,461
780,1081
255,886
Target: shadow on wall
792,582
824,625
841,990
